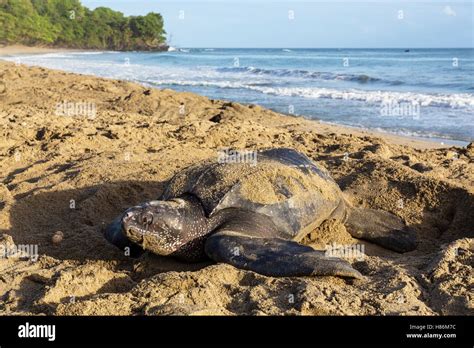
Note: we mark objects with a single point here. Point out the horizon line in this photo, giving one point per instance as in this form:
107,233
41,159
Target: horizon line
322,48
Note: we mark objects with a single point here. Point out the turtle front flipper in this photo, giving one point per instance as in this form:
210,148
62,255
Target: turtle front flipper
274,257
382,228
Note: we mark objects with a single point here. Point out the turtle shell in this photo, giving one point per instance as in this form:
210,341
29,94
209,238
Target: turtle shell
283,184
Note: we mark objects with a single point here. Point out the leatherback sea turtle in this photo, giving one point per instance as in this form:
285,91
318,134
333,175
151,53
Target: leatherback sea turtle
253,216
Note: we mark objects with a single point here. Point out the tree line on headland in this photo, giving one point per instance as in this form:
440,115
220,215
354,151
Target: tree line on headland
68,24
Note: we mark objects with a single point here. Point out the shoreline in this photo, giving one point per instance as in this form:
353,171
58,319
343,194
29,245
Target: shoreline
416,142
13,50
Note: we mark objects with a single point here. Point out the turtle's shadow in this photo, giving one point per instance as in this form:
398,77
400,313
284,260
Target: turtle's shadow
80,214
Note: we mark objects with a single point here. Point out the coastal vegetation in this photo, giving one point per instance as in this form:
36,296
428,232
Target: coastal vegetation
69,24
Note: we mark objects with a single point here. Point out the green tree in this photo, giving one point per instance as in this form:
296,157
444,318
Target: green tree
66,23
148,27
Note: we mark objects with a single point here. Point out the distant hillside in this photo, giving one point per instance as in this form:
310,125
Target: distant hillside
68,24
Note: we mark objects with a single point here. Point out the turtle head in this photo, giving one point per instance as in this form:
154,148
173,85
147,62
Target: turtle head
163,227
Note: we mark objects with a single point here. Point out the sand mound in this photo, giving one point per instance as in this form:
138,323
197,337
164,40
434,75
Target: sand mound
74,173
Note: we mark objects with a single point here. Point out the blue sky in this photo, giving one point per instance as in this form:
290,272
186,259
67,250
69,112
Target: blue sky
316,23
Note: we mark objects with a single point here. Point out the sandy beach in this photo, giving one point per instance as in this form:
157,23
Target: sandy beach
7,50
76,150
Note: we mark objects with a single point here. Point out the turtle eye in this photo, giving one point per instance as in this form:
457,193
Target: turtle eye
146,219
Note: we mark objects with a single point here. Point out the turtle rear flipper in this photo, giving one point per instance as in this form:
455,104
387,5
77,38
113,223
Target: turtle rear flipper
274,257
382,228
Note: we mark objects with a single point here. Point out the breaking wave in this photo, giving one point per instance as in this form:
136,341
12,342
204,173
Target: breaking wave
459,100
361,78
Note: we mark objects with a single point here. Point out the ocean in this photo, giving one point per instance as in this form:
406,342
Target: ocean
426,93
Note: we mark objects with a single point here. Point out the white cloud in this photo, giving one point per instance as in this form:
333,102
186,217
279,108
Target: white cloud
448,11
